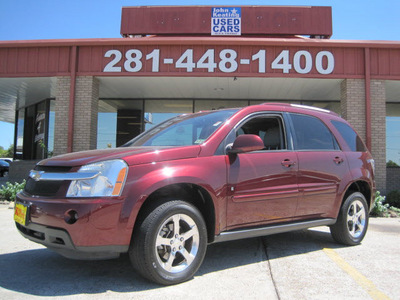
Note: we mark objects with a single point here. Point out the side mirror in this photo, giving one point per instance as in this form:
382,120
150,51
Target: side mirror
246,143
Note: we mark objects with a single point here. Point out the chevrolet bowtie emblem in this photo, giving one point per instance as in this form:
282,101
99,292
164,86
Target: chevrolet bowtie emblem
36,175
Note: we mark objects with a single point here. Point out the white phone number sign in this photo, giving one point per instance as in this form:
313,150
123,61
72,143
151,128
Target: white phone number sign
302,61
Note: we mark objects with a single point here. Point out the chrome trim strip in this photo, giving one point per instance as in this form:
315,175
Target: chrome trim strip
41,176
268,230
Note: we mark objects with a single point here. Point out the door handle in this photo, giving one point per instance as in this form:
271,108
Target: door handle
288,163
338,160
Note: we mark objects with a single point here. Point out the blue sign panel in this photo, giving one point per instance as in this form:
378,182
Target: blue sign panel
226,21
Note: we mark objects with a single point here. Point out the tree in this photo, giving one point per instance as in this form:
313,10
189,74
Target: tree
7,153
391,163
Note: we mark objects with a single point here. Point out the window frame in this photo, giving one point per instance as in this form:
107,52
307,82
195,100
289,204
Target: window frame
285,133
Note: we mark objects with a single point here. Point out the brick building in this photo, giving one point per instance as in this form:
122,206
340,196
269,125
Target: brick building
73,95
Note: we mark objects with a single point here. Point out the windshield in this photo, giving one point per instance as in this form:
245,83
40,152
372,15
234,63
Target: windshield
184,130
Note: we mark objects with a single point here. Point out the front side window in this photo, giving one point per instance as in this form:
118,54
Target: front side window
268,128
350,136
312,134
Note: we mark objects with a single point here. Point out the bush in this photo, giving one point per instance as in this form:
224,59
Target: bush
9,191
393,199
379,209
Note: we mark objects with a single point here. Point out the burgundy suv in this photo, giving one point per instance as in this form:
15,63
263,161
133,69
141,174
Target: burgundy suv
202,178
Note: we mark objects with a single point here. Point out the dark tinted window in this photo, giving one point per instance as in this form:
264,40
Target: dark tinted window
350,136
312,134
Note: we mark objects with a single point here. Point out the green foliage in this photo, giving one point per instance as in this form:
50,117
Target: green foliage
393,199
9,191
44,147
7,153
391,163
379,209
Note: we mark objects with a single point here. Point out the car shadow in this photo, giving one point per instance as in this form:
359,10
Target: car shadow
42,272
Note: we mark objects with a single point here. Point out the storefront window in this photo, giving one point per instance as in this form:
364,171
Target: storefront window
20,134
157,111
35,131
40,131
393,134
50,140
118,122
121,120
329,105
201,105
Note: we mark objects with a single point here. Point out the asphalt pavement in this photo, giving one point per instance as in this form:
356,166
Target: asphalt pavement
305,264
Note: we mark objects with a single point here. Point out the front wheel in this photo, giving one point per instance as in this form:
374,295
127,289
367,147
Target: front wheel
169,245
352,223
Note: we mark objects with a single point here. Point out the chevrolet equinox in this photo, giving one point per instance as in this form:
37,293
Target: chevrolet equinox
202,178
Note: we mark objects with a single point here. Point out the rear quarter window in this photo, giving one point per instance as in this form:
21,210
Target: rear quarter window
350,136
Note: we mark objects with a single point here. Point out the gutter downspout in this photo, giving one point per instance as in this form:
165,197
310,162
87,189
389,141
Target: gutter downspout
368,130
71,111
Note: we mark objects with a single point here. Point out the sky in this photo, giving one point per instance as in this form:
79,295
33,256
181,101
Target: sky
61,19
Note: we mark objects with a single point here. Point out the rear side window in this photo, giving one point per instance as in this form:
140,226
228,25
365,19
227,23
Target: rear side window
312,134
350,136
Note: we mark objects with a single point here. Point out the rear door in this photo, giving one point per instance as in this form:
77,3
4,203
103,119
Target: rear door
322,165
262,184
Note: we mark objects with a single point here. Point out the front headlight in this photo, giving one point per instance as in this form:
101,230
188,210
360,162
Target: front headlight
109,181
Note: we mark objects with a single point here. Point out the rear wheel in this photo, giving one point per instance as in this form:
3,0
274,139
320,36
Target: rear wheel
169,245
352,222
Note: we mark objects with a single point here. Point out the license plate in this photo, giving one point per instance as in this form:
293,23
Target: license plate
20,213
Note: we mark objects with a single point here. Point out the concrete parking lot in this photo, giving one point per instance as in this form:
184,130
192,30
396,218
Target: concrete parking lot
299,265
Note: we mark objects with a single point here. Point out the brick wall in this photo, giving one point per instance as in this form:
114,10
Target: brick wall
61,115
353,110
393,179
378,132
352,104
86,109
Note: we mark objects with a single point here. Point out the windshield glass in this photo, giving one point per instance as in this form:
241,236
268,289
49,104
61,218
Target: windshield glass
184,130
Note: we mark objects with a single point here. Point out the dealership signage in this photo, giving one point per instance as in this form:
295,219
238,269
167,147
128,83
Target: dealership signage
228,60
226,21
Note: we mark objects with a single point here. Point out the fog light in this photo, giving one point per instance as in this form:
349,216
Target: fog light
70,216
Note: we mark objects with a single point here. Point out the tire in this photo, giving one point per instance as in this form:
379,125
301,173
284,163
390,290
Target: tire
352,223
169,245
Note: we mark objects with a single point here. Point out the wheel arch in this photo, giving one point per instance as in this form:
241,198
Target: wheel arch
191,193
362,187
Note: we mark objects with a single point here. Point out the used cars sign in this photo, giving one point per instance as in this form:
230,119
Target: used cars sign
226,21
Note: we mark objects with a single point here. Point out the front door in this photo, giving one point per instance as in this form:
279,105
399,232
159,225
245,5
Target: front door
262,185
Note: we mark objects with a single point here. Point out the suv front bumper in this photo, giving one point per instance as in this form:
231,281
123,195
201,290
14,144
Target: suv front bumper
97,230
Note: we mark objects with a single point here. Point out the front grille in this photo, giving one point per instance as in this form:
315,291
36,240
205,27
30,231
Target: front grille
46,188
48,169
42,188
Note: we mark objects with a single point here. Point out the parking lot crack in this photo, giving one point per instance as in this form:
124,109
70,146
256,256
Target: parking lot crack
265,248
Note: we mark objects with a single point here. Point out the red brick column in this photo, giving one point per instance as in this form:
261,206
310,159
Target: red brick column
61,115
352,104
86,109
85,114
353,110
378,131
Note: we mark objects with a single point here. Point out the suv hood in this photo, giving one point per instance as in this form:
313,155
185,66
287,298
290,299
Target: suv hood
132,155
